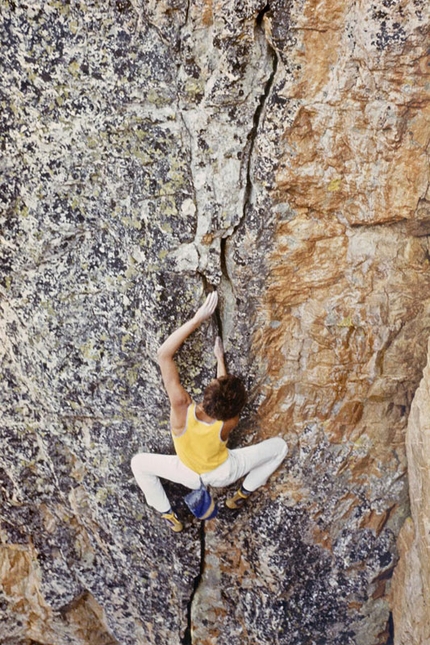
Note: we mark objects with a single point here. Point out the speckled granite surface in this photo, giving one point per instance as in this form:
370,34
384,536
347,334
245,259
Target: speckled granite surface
150,149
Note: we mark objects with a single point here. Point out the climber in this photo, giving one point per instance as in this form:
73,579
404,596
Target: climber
200,432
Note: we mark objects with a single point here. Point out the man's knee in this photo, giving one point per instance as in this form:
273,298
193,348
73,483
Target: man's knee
133,463
279,447
136,464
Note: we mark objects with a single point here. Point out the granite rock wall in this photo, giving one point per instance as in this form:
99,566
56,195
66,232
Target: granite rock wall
151,151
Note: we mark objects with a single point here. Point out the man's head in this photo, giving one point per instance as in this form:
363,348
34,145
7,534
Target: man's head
224,397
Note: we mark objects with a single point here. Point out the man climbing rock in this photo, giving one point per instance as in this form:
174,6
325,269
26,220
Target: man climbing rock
200,432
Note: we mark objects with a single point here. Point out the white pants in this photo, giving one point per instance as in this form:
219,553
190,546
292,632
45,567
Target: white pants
258,462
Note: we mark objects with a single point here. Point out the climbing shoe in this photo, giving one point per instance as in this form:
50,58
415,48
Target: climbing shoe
238,499
172,521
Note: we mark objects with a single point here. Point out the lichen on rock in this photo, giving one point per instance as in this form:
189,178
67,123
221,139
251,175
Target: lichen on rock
153,151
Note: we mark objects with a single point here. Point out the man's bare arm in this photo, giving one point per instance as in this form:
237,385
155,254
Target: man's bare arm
179,397
219,354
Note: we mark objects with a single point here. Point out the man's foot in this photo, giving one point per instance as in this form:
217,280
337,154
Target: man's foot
238,499
172,521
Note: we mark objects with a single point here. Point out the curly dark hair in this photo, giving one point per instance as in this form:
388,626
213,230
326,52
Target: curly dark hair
224,397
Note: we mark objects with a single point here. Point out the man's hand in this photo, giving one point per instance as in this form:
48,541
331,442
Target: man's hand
218,348
207,309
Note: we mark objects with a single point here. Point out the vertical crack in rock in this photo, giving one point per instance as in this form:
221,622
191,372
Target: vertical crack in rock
252,136
227,282
187,12
187,638
390,629
227,286
228,298
259,112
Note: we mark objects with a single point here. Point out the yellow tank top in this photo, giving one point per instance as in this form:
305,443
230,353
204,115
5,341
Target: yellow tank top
200,446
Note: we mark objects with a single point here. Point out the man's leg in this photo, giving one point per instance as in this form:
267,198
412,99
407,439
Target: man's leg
148,468
258,462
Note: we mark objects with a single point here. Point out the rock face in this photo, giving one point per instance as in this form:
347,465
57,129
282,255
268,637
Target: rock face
411,582
276,151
